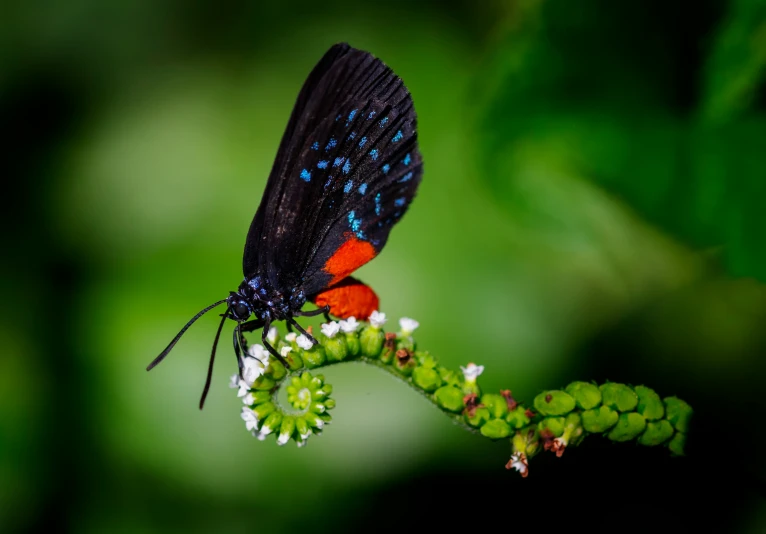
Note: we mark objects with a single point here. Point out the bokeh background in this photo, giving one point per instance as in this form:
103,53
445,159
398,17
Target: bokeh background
592,208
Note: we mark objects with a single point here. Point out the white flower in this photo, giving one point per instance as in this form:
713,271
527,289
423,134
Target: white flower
244,387
472,372
271,337
377,319
305,436
251,420
304,342
263,432
251,370
518,462
290,337
408,325
283,438
249,399
284,351
259,352
349,325
330,329
301,443
234,381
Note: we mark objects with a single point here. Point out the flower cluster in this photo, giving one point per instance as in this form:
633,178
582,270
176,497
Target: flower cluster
557,419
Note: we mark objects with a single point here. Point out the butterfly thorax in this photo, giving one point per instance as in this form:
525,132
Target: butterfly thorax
255,297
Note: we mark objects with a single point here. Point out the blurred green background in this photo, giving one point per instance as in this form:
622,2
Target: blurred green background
591,209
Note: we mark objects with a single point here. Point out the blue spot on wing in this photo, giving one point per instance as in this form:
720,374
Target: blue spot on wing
377,204
371,115
315,146
305,175
348,186
362,142
397,137
351,116
385,168
347,167
399,202
355,224
331,143
374,154
362,189
382,122
406,177
407,159
338,162
351,136
322,164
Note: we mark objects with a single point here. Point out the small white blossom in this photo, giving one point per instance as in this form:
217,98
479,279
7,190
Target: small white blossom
518,462
349,325
244,387
271,337
234,381
305,436
251,370
249,399
249,417
472,372
290,337
259,352
304,342
263,432
331,328
283,438
320,424
284,351
377,319
301,443
408,325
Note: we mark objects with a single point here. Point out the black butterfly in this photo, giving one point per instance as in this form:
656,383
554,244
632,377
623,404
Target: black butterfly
346,171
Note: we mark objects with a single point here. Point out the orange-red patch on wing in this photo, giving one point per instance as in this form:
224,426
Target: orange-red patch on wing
349,298
348,258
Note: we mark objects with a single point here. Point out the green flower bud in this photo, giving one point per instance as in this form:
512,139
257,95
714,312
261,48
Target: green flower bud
554,425
677,444
586,395
302,427
286,429
599,419
371,341
450,398
425,359
404,362
656,433
495,429
526,441
678,413
313,420
554,402
314,357
649,403
259,397
327,388
618,397
573,430
496,404
329,404
451,378
426,379
264,382
478,416
326,417
262,410
271,423
517,417
389,348
276,370
335,348
628,426
294,360
353,344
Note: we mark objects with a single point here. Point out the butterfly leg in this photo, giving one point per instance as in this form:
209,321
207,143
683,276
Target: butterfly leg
272,350
301,330
237,343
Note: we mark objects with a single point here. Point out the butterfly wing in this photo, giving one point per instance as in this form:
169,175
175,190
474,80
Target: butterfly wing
346,171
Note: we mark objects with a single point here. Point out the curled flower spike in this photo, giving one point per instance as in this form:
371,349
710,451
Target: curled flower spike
350,325
304,342
560,418
377,319
408,325
330,329
472,372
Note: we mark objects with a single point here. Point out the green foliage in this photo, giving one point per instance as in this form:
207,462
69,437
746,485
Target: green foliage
675,130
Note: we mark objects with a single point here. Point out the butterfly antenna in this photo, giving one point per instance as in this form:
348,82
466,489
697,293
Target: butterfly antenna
167,350
212,361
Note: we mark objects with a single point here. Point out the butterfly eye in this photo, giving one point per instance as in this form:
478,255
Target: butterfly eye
241,310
